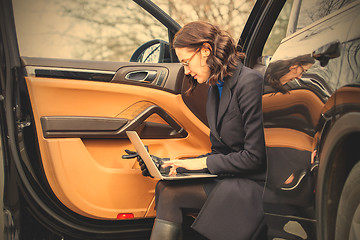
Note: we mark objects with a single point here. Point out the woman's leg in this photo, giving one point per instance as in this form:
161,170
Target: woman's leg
172,199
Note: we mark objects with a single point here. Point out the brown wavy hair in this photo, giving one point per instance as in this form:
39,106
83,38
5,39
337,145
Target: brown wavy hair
224,55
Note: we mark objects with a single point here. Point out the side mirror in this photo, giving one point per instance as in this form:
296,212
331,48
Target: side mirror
154,51
327,52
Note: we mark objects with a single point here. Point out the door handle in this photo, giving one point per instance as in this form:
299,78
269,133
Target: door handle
327,52
147,76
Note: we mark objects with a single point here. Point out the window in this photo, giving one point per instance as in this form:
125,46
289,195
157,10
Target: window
313,10
278,31
109,30
229,14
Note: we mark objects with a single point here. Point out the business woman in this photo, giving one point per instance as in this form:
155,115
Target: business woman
230,207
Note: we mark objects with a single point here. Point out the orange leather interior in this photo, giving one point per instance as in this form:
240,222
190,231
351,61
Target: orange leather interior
288,138
296,97
345,95
88,175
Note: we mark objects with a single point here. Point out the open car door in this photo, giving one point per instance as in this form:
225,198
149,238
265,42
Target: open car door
66,122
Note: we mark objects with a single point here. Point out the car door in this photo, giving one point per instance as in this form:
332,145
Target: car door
71,116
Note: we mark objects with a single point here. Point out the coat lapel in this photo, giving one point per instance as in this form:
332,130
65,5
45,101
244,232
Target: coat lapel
212,107
224,102
226,94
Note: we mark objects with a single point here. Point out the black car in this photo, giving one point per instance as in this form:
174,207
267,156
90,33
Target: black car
68,94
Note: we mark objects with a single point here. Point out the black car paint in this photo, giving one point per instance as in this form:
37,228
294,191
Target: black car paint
333,85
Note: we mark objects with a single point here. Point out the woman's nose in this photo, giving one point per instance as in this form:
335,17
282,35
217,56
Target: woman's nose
186,70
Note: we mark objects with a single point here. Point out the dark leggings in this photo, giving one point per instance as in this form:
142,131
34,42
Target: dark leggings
174,198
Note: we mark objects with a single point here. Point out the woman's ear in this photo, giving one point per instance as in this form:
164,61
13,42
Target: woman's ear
206,50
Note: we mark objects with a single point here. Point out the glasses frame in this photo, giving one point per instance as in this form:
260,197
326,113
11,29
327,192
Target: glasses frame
187,62
303,69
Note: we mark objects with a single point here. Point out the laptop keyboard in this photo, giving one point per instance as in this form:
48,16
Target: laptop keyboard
183,174
177,175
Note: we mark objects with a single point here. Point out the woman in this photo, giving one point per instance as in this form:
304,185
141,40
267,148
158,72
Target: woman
230,207
281,72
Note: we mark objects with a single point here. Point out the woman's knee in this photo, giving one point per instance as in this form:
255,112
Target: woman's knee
167,193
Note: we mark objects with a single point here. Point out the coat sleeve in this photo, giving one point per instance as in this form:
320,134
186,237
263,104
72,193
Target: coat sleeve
251,158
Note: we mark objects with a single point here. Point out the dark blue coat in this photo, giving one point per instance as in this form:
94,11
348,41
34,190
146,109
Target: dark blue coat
233,209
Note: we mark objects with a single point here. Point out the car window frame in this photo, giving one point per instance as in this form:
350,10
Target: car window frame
259,33
160,15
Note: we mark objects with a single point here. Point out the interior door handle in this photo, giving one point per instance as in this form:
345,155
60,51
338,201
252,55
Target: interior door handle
142,76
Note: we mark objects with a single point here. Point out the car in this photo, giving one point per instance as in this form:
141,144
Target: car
65,108
318,112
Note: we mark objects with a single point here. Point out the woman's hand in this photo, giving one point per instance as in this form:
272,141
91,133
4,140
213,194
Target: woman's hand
189,164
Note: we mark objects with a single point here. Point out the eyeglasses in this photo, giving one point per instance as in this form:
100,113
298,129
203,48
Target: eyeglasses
303,70
187,62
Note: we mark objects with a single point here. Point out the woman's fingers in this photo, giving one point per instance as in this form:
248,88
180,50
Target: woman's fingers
174,164
166,164
170,163
172,171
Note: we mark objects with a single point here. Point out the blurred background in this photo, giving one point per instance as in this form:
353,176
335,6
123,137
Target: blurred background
111,30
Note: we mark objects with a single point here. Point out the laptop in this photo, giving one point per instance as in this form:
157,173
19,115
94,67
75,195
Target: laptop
153,170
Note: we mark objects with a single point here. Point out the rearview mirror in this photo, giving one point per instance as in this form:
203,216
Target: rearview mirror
154,51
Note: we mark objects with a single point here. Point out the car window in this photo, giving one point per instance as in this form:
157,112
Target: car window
278,31
312,10
229,14
109,30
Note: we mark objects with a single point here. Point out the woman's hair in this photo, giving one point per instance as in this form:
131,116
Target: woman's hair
224,56
281,67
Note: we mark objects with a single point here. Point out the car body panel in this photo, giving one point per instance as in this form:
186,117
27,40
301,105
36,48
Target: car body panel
316,100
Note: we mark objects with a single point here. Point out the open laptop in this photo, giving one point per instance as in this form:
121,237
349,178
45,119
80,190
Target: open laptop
153,170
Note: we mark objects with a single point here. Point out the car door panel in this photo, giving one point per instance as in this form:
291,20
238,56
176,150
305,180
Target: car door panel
146,123
165,76
81,134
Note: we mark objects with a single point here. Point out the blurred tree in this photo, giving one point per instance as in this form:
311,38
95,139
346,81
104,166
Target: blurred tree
278,31
113,29
110,29
313,10
229,14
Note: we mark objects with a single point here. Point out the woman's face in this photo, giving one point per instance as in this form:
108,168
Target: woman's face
295,72
194,63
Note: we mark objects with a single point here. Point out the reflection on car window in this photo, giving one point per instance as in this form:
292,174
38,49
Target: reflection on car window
230,15
312,10
108,30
